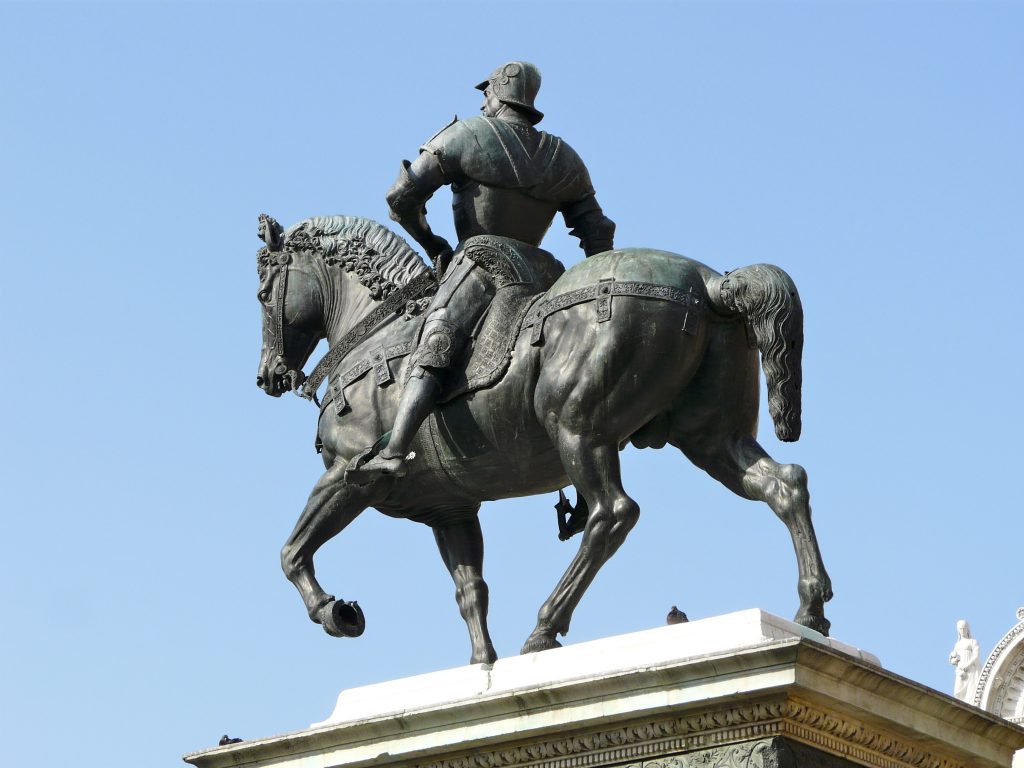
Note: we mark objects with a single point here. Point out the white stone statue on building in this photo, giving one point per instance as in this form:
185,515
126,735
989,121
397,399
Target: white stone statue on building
966,657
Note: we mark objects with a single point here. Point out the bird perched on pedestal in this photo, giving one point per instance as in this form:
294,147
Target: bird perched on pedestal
675,616
225,740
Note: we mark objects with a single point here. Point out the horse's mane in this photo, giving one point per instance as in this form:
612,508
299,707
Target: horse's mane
382,260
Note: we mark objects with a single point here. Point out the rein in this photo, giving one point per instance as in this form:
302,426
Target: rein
415,289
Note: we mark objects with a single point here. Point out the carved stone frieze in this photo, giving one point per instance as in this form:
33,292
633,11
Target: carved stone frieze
725,738
750,755
776,752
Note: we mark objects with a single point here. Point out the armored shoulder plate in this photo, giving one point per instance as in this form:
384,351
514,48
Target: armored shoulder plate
432,145
497,154
565,179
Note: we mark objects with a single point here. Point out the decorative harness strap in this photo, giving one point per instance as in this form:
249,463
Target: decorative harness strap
602,292
377,361
415,289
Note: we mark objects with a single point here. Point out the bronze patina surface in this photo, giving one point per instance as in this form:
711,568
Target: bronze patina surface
500,374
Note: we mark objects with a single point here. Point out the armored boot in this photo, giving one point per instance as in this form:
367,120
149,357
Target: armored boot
418,399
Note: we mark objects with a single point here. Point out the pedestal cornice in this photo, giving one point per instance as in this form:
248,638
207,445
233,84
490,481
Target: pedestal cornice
784,685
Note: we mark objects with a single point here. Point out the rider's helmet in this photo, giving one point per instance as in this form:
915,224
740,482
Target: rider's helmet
516,83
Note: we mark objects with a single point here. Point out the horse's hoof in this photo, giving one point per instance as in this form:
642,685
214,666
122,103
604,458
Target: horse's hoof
342,619
489,656
817,623
540,643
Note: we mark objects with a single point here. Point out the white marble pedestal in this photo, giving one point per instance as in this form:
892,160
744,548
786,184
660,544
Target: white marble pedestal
746,689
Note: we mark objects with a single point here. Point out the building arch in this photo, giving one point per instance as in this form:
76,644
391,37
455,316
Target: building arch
1001,683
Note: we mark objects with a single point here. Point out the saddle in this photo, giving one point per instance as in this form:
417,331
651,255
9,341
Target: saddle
520,273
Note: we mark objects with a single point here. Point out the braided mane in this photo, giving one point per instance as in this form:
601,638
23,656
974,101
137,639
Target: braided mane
382,260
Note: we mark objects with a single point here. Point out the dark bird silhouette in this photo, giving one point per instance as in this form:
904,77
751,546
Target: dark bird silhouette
675,616
225,740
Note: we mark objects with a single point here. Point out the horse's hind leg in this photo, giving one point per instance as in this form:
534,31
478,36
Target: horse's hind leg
743,466
332,505
461,545
589,403
594,470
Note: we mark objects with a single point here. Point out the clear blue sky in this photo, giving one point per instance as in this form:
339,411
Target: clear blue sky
873,150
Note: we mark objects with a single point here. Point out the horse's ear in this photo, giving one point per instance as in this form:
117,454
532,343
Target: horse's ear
271,232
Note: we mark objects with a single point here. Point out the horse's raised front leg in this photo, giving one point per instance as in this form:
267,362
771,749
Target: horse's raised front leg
594,470
332,505
461,546
744,467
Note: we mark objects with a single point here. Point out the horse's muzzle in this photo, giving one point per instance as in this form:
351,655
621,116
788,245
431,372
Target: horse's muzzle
279,380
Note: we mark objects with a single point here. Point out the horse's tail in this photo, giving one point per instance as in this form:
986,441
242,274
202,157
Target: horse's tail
767,299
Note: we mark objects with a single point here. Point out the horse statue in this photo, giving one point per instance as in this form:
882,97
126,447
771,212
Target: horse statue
632,345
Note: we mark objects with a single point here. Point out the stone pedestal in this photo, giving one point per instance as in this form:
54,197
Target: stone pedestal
747,689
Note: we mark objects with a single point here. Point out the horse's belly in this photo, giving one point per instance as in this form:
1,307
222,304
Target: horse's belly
490,443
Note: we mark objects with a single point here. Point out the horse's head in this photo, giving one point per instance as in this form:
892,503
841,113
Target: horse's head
290,296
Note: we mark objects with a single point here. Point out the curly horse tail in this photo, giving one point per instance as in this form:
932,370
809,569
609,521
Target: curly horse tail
767,299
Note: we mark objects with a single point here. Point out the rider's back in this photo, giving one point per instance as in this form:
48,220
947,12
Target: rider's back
508,179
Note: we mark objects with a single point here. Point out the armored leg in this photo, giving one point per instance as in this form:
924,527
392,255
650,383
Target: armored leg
464,295
418,399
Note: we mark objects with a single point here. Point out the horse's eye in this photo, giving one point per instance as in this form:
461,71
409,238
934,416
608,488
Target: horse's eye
263,296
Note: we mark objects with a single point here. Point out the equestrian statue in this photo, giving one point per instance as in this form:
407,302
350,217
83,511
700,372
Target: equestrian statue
497,373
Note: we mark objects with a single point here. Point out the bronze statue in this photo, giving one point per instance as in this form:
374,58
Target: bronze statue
631,345
500,374
508,179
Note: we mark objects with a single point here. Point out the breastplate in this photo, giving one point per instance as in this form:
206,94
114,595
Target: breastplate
483,210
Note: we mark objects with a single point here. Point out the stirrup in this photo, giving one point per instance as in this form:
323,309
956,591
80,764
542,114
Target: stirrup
367,453
571,520
370,465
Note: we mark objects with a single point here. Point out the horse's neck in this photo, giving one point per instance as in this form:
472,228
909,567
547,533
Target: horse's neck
346,303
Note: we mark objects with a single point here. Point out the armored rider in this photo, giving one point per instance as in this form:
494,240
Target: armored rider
508,179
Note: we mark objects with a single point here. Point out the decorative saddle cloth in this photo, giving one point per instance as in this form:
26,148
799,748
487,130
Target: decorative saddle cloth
520,274
488,355
486,359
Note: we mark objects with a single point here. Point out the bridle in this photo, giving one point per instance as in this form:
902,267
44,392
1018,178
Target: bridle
278,271
393,305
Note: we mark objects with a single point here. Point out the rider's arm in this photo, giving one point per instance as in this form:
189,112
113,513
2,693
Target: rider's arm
416,183
587,221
